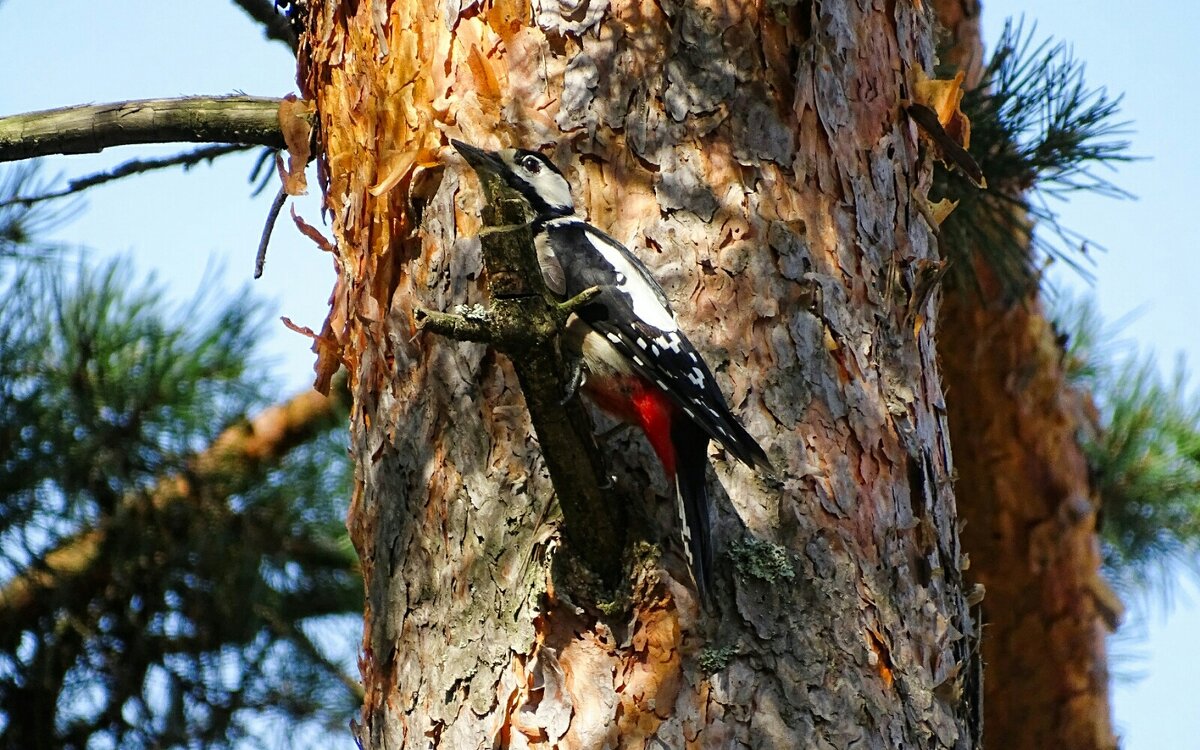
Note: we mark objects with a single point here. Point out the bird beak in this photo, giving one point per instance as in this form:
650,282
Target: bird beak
483,162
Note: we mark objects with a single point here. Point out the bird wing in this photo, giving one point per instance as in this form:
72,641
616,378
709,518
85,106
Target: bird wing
633,314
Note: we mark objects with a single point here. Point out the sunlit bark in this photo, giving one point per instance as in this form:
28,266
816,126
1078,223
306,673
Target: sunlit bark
758,159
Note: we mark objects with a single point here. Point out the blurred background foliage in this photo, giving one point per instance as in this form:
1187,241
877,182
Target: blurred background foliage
1143,452
174,566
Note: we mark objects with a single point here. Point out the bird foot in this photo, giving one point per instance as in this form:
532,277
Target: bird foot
576,377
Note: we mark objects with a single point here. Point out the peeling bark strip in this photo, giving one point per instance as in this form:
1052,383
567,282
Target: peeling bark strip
246,120
758,159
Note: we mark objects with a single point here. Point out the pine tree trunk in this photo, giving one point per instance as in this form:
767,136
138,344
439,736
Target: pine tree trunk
758,159
1024,493
1031,528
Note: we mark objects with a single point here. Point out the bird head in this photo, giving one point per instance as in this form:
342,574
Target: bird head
529,173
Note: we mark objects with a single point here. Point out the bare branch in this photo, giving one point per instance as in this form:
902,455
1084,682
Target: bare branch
275,24
578,301
260,260
246,120
131,167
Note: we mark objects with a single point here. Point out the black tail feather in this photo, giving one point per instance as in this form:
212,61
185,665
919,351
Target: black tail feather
691,491
743,446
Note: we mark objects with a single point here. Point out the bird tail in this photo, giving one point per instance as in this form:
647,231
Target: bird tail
691,493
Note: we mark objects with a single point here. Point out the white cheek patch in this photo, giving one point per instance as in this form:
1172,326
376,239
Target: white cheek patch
553,189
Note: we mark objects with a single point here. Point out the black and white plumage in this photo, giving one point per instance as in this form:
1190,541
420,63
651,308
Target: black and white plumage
639,366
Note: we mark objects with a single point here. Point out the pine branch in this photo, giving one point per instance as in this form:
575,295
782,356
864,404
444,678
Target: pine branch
1038,132
1143,452
22,224
236,456
290,630
186,160
245,120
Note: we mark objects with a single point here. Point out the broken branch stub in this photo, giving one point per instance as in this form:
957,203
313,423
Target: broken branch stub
525,322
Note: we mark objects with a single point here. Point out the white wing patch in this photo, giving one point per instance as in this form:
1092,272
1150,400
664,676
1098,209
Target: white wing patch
670,341
646,304
684,530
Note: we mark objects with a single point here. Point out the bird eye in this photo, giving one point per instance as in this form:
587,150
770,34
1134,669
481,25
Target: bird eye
531,164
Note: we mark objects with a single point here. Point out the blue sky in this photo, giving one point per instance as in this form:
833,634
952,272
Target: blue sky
71,52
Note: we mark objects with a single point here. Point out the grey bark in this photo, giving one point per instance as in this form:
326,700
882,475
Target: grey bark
758,159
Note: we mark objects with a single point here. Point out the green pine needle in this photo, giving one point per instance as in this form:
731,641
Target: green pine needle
189,626
1144,456
1039,133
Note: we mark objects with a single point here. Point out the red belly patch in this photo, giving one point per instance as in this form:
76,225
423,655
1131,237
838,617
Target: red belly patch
634,401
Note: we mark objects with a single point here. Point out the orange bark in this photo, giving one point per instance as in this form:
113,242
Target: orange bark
758,159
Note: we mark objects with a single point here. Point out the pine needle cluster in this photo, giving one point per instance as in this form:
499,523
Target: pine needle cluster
155,592
1039,133
1144,455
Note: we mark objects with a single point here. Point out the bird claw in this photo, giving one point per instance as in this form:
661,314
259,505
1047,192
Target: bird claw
575,381
612,432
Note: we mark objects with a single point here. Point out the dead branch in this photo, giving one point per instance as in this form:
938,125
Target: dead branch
125,169
245,120
260,260
524,322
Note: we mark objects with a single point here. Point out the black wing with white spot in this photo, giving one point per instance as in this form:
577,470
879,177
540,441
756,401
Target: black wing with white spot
633,314
671,362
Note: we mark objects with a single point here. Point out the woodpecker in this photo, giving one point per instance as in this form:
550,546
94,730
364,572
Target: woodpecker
637,365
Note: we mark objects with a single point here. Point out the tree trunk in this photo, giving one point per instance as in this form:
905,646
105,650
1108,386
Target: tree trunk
758,159
1023,490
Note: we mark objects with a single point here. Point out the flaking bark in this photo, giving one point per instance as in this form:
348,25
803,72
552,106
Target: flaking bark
758,159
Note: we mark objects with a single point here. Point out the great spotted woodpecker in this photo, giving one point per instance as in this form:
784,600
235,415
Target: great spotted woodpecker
638,366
